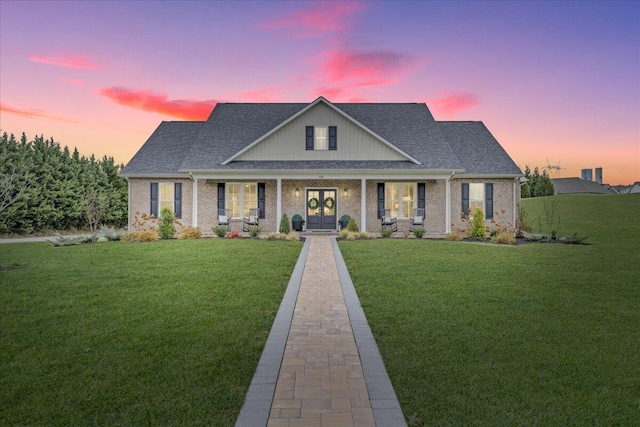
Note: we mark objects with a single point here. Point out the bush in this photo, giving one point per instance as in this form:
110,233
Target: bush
233,234
503,238
418,232
254,230
352,226
478,230
147,235
60,240
109,232
221,230
454,237
189,233
284,224
166,229
386,232
293,236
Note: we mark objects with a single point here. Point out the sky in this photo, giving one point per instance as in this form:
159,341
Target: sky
555,82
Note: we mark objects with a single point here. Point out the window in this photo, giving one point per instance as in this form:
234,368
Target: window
400,198
167,195
241,197
477,195
321,138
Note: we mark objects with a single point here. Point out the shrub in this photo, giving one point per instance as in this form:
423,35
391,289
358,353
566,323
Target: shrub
254,230
453,236
60,240
503,238
147,235
478,230
293,236
143,222
386,232
233,234
188,233
284,224
575,239
352,226
166,229
343,233
355,235
418,232
220,230
109,232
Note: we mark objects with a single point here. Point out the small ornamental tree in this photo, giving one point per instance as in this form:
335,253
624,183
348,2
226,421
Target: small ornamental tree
166,229
284,224
352,226
477,226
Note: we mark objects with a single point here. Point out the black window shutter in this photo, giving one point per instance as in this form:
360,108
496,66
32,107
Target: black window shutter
380,199
153,209
333,137
309,138
465,199
261,199
421,195
220,195
177,199
488,201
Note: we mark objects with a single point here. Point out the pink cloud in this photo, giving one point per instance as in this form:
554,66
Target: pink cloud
317,20
68,61
366,68
157,103
265,95
33,113
452,103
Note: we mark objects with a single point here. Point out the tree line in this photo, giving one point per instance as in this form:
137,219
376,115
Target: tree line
537,184
46,187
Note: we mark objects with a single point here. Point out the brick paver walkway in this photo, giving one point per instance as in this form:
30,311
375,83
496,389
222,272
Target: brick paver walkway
321,382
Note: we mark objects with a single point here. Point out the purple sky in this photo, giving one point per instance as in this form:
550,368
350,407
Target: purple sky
551,80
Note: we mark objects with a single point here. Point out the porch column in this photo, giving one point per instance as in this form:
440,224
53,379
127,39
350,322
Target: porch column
447,215
194,220
363,204
278,202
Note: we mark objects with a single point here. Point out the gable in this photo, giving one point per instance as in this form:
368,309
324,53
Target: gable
355,143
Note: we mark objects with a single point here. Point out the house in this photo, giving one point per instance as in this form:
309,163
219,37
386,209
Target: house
322,160
577,185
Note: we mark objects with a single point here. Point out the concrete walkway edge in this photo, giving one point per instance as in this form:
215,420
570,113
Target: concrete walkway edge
257,404
384,403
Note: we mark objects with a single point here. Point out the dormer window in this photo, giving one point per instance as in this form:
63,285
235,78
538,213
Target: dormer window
321,138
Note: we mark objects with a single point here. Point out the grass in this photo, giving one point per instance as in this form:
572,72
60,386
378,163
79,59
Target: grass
536,334
165,333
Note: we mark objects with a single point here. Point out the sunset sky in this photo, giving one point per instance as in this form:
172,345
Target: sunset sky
551,80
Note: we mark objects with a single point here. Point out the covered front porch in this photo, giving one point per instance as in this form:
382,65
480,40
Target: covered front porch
321,200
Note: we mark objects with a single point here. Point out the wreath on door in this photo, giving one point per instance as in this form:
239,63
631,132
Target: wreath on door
313,203
329,203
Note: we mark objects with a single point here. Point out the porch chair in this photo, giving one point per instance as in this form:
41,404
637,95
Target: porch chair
417,220
252,220
387,221
223,217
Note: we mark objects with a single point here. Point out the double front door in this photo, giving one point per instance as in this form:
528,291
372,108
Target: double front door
321,209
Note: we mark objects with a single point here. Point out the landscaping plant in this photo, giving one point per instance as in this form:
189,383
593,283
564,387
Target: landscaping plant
478,229
166,228
284,224
352,226
221,230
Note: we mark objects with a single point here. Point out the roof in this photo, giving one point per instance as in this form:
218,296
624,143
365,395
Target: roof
183,147
577,185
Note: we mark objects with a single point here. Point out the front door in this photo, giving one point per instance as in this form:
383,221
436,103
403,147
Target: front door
321,210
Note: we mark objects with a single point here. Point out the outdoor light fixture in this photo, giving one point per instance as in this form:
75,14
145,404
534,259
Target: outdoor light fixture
297,192
345,192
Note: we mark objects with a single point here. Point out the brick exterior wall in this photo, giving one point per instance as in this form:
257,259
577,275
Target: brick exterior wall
502,200
435,194
140,197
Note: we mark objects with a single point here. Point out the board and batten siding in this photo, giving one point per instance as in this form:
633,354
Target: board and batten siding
288,143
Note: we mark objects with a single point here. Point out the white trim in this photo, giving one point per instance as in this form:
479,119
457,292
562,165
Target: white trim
337,110
326,174
278,203
194,213
363,204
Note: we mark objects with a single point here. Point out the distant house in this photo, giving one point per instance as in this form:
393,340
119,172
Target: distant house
322,160
635,188
579,186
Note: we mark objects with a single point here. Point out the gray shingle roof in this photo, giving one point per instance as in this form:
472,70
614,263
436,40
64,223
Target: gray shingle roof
164,151
179,147
477,149
577,186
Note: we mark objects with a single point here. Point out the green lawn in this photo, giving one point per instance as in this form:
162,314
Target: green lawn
535,334
165,333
